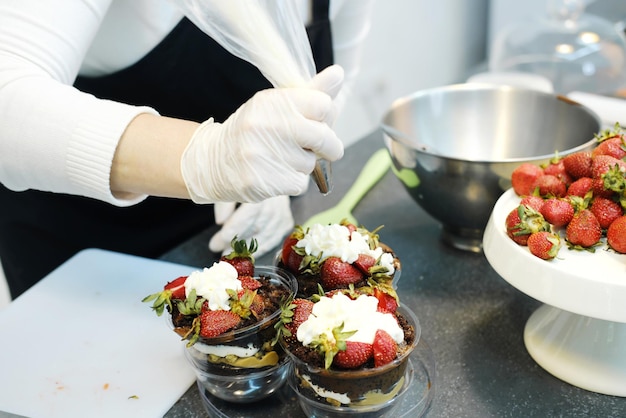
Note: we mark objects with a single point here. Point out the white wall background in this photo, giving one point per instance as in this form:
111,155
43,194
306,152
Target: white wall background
413,45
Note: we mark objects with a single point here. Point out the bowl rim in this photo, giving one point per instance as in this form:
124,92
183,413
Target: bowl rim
391,134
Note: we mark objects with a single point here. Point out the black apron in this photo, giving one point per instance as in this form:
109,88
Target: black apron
189,76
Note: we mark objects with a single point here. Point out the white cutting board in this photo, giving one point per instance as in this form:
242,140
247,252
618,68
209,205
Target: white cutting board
80,343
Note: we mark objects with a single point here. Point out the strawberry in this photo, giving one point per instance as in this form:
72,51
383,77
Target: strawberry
603,163
290,258
611,142
580,187
598,189
605,210
614,180
556,168
583,231
241,256
523,221
250,283
384,348
355,355
544,245
616,235
549,185
523,178
535,202
336,273
578,164
557,211
364,262
174,290
214,323
292,315
386,303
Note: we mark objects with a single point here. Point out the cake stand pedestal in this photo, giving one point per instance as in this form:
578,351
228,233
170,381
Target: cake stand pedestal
579,334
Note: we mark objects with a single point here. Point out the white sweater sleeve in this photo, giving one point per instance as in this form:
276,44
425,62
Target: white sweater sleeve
52,136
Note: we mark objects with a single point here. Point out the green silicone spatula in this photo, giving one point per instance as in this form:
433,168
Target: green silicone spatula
373,170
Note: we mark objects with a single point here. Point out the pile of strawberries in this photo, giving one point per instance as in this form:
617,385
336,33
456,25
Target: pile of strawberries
580,198
191,316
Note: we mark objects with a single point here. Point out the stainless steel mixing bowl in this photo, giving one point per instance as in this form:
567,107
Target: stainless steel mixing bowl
454,147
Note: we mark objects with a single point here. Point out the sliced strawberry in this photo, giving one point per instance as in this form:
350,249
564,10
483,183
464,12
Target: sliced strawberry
177,287
355,355
250,283
386,302
364,263
384,348
214,323
336,274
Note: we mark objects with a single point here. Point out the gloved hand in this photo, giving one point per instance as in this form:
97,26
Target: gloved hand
268,147
268,221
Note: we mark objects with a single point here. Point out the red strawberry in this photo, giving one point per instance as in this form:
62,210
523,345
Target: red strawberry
336,274
257,306
384,348
214,323
523,178
557,169
550,185
298,312
386,302
535,202
177,287
598,189
584,230
578,164
523,221
544,245
611,143
603,163
241,256
616,235
250,283
289,257
605,210
580,187
355,355
557,211
364,263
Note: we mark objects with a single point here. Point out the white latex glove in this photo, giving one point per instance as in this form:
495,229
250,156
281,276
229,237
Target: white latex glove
268,147
268,222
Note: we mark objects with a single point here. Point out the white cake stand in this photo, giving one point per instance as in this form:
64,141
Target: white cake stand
579,334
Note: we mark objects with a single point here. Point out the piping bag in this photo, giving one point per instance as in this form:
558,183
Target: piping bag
270,35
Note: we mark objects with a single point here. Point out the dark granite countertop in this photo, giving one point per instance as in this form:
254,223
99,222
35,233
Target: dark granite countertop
472,319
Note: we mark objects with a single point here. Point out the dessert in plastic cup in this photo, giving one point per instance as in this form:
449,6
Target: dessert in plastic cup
337,256
347,354
226,315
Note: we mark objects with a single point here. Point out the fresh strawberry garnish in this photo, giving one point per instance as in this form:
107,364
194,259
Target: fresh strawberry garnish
293,313
336,273
214,323
524,177
355,355
364,262
544,245
384,348
241,256
386,303
584,231
174,290
557,211
250,283
616,235
290,258
578,164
